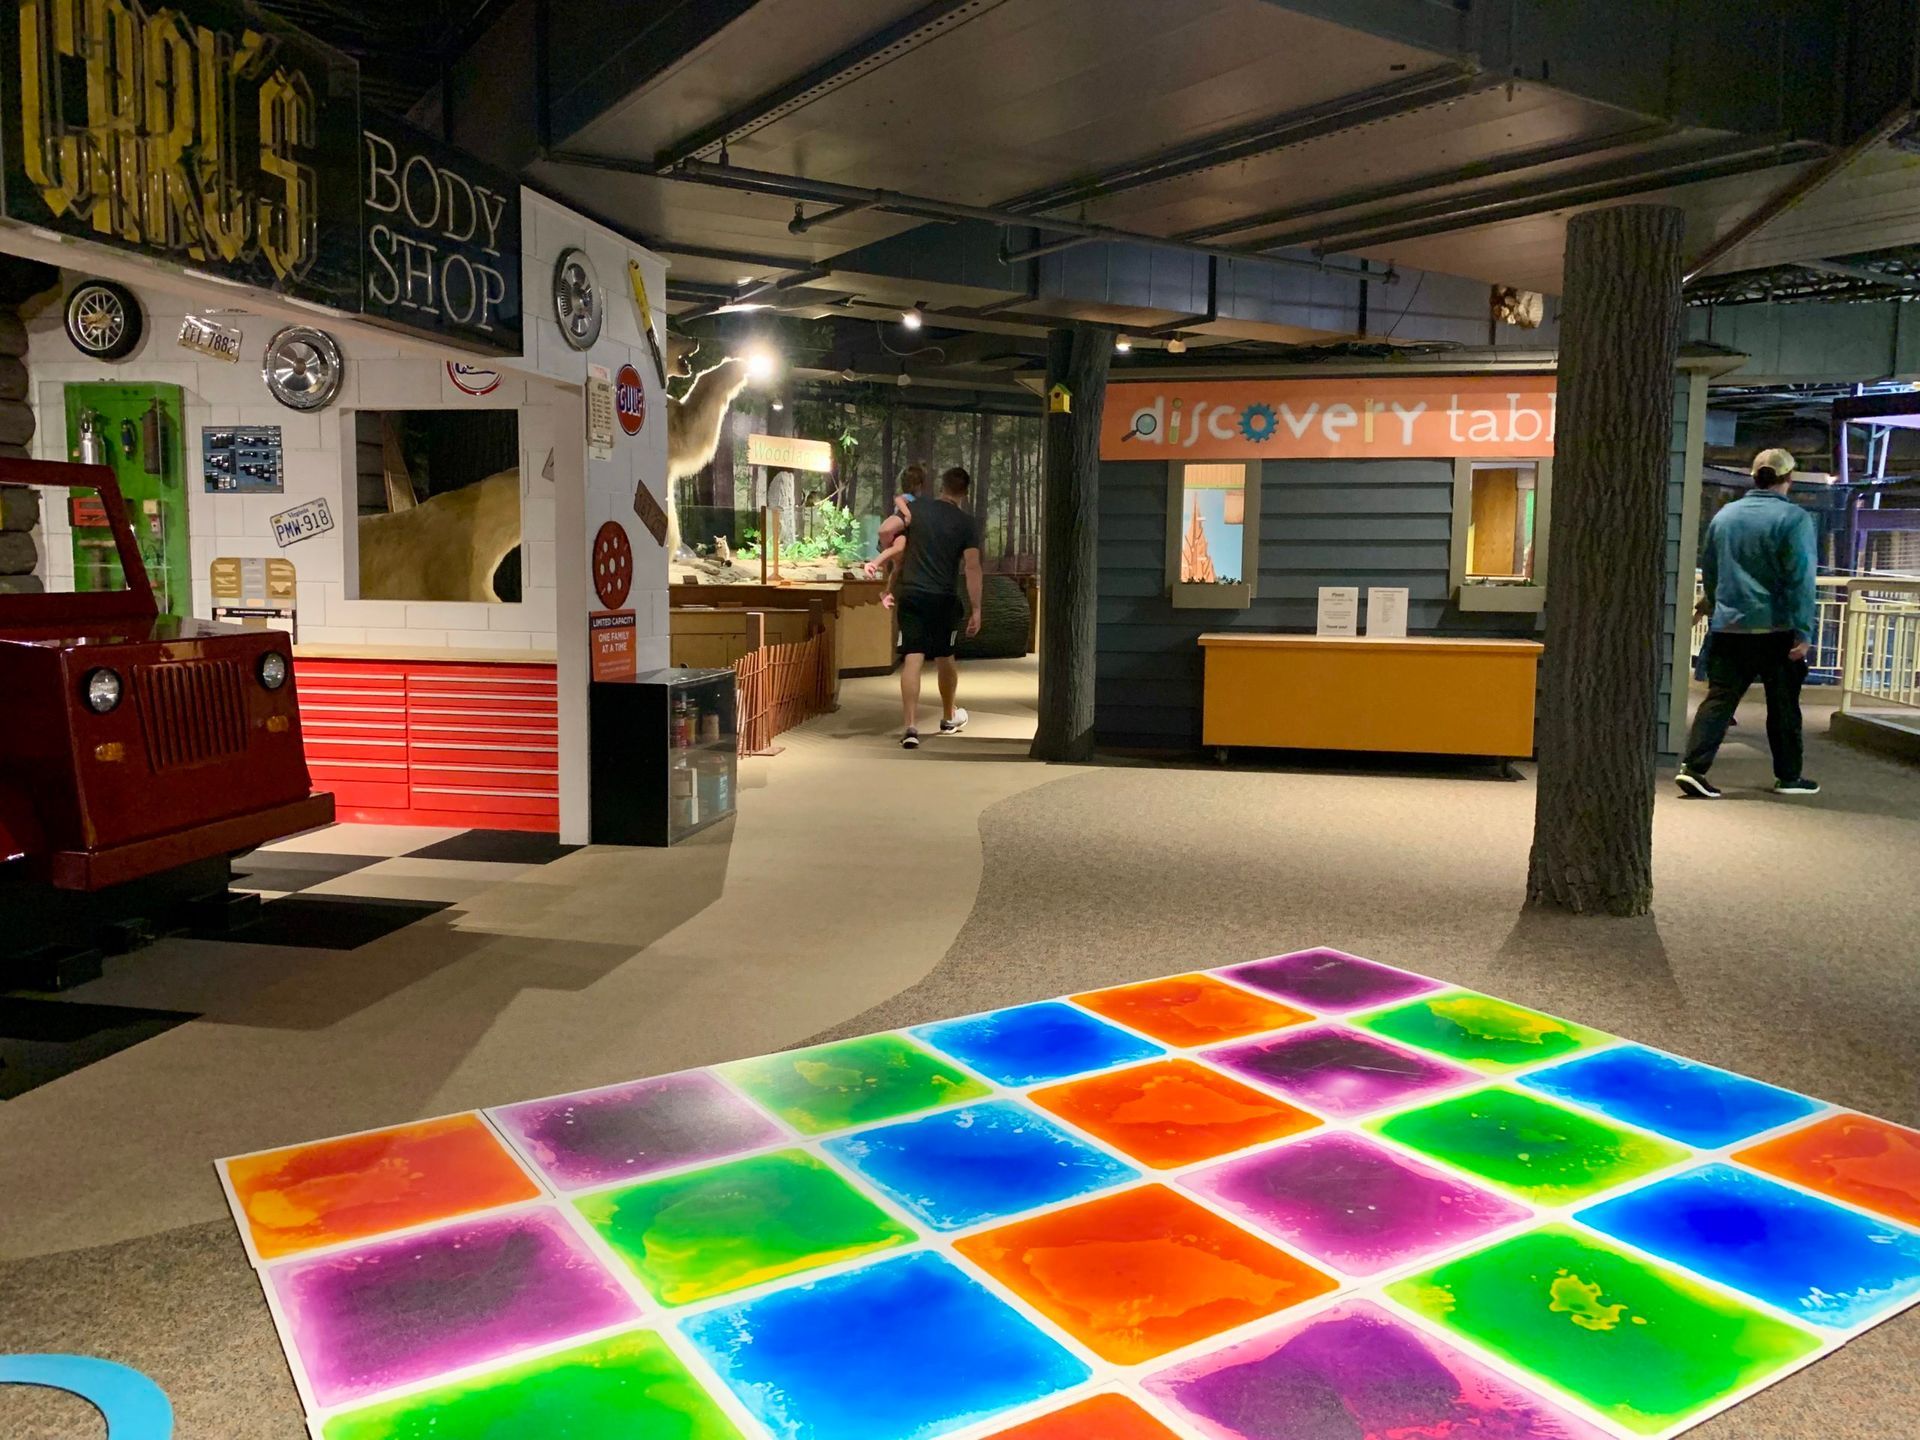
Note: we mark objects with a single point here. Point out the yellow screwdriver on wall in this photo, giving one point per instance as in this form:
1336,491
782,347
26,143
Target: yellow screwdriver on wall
646,319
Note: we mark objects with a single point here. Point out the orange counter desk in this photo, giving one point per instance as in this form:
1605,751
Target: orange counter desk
1419,695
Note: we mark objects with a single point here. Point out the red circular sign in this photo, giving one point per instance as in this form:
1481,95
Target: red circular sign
612,565
631,399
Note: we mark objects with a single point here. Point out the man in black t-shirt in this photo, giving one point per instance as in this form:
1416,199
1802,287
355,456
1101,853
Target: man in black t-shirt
942,543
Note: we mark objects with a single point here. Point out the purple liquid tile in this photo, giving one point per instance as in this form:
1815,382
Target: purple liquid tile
1354,1372
598,1137
1340,1072
365,1320
1354,1204
1329,980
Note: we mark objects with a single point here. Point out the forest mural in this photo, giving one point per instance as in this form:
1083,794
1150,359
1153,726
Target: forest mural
873,440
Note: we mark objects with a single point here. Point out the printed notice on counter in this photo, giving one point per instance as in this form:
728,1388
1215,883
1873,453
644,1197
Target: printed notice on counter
612,635
1339,610
1387,611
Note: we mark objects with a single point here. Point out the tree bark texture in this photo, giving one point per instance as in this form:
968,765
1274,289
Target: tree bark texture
1078,358
1619,337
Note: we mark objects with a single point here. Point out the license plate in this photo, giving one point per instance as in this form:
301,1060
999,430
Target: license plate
222,342
302,522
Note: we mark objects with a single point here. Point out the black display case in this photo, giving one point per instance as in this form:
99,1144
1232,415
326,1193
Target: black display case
664,755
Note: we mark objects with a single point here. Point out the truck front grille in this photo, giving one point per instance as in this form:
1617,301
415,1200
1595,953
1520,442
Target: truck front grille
191,711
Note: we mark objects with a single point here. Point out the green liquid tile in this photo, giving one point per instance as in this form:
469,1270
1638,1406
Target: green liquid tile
852,1083
612,1389
1542,1152
1477,1030
1641,1344
708,1232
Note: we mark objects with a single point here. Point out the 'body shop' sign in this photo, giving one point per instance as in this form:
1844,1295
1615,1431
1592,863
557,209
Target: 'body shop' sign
1370,418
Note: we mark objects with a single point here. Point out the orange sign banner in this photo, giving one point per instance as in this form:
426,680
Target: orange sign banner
1381,417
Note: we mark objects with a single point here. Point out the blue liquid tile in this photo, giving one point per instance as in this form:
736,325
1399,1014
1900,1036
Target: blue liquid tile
1820,1262
1032,1043
1689,1102
982,1162
907,1349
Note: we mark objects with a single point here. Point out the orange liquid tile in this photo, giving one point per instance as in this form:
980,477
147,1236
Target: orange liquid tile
1104,1417
1173,1112
1189,1010
362,1185
1873,1164
1135,1275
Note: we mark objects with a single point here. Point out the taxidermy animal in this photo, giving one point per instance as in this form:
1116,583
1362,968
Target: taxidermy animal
444,548
694,420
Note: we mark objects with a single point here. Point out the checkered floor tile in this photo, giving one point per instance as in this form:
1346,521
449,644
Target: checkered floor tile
1310,1197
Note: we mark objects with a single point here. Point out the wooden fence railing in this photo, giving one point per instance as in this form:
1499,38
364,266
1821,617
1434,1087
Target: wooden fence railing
779,686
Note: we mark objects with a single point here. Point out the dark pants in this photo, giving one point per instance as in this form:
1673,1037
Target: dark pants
1735,663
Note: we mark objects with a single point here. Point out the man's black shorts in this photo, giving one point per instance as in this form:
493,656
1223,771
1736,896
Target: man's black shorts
928,624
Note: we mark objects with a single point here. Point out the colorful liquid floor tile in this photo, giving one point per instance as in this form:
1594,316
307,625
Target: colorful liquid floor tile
1189,1010
1173,1112
855,1082
1331,981
907,1347
1540,1151
1485,1033
1855,1158
703,1233
398,1311
936,1256
623,1132
1104,1417
1134,1275
358,1186
614,1389
977,1163
1820,1262
1694,1104
1354,1204
1638,1342
1030,1044
1341,1072
1354,1372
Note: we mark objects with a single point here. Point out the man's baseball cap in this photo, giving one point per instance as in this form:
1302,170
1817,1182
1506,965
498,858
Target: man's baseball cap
1780,462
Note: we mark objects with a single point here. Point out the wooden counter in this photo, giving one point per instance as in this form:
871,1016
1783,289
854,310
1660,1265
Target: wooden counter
1428,695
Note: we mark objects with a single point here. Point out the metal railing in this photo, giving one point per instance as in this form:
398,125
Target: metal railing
1829,629
1882,669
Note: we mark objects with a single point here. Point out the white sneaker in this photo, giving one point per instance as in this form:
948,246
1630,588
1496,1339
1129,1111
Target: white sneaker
955,725
910,740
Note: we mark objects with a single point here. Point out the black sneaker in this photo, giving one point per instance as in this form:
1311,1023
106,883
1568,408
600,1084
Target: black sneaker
910,740
1802,786
955,725
1696,787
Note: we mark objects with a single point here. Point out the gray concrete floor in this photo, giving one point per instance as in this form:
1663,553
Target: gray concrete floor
863,887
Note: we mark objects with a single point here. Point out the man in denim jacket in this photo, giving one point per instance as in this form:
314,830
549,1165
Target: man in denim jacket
1758,570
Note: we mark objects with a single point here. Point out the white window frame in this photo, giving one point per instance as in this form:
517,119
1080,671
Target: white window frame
1237,595
1523,599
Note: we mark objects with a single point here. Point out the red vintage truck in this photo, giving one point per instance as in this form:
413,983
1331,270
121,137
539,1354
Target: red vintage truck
134,744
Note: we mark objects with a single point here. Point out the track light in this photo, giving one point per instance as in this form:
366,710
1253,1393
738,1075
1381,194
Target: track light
1122,345
1176,346
911,317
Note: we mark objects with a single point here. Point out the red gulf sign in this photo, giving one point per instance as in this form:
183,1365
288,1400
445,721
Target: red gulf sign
630,399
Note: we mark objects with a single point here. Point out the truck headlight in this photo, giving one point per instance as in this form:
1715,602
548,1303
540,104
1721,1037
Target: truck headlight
273,670
102,689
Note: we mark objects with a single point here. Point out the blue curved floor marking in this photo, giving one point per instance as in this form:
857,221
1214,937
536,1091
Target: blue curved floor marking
133,1406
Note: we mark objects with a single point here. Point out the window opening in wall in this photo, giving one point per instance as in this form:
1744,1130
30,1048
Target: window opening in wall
1213,514
1501,520
438,494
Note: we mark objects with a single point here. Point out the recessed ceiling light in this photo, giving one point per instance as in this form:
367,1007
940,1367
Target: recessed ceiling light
1176,346
911,317
1123,345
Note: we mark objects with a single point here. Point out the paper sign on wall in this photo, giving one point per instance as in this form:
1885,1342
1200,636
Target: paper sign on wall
602,411
1387,611
1339,610
611,635
252,577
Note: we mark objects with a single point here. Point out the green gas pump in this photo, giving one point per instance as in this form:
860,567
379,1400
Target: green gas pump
137,431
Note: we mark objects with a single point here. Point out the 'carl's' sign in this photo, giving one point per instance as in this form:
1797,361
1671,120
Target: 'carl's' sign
442,239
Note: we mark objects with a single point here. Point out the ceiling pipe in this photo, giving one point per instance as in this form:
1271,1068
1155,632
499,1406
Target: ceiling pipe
802,222
747,293
794,187
1799,188
1036,252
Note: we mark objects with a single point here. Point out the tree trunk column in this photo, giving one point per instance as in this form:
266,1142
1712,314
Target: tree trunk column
1619,338
1077,358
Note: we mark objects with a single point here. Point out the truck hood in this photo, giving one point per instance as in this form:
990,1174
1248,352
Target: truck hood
131,630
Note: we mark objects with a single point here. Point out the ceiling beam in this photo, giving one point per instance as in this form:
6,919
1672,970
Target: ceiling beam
1619,180
1584,148
1861,272
880,48
1263,137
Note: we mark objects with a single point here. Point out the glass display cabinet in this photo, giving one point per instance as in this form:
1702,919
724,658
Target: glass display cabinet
665,751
